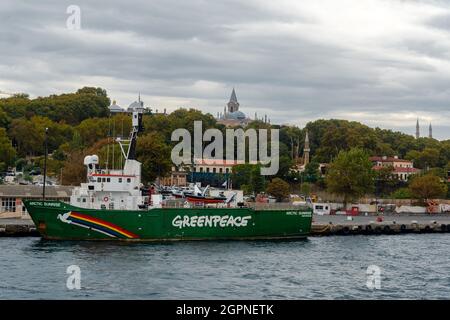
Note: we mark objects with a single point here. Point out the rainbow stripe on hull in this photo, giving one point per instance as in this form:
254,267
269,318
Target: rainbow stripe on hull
98,225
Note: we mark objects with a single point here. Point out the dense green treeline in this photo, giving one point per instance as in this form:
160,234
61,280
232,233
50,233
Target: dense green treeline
79,124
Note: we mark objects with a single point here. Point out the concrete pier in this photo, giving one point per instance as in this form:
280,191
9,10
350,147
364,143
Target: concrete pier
388,224
17,228
326,225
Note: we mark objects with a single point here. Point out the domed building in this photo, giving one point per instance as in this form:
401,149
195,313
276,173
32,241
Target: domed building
115,108
231,115
136,105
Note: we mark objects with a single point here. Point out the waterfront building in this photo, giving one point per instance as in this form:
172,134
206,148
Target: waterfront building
11,197
177,178
401,168
212,172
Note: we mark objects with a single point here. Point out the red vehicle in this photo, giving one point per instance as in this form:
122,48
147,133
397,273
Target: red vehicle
354,211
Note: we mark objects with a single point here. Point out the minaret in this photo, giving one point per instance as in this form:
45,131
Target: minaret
306,150
430,132
417,129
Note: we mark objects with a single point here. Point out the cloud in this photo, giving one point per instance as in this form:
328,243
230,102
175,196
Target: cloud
380,62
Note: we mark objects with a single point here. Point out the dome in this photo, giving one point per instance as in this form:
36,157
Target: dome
238,115
115,108
135,105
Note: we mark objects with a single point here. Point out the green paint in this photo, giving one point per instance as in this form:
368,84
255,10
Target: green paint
173,223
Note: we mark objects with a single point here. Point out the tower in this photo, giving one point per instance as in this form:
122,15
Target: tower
430,132
306,149
417,129
233,104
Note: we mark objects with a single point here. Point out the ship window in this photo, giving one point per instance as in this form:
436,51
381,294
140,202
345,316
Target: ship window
120,180
84,199
111,206
108,180
91,187
103,179
128,180
99,179
78,200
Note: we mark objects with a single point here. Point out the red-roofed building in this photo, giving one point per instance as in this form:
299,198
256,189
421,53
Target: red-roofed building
403,169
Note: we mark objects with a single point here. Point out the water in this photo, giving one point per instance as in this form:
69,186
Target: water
412,266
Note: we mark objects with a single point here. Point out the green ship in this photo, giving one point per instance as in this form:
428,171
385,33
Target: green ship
112,205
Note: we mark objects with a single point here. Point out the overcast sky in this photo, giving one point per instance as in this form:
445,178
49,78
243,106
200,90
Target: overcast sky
383,63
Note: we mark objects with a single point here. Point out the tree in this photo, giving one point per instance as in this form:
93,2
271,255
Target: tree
241,174
350,175
425,159
154,155
428,187
311,172
386,181
74,172
7,152
402,193
29,135
278,188
248,175
257,179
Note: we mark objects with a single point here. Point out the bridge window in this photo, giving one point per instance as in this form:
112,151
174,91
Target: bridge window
108,179
128,180
120,180
99,179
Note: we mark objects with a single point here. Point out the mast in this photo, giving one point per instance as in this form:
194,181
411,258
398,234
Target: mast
137,127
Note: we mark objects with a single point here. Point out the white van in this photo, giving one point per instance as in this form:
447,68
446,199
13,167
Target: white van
321,208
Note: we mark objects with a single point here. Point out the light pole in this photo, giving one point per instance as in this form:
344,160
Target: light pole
45,162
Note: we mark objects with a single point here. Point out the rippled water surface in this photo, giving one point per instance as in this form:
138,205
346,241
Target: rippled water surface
412,266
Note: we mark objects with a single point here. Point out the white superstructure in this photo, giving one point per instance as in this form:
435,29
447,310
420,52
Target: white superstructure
114,189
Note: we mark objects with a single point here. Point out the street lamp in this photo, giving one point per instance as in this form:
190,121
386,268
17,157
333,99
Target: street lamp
45,162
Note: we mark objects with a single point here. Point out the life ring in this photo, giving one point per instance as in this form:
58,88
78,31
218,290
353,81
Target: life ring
105,199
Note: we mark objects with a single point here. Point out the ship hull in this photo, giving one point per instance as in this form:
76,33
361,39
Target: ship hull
59,221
